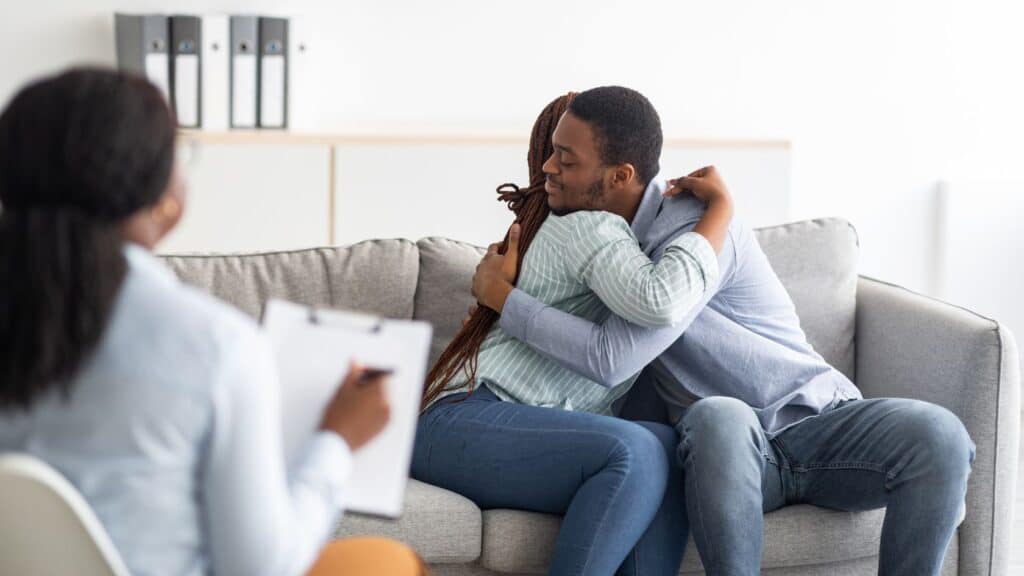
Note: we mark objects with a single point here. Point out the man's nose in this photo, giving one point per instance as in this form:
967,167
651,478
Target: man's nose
550,165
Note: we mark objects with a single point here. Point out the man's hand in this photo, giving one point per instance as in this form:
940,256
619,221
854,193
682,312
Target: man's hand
706,184
496,273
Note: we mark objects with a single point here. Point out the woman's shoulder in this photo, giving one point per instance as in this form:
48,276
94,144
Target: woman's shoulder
179,316
595,225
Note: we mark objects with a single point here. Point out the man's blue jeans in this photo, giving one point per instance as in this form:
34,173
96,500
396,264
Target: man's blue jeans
606,475
909,456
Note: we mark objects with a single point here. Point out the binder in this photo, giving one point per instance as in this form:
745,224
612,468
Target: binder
142,48
312,351
244,72
273,73
186,66
303,84
215,77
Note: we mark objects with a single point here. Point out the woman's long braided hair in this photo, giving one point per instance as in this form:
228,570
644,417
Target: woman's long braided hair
530,206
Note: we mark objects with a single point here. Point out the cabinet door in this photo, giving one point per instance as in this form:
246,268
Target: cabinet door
414,190
419,189
253,196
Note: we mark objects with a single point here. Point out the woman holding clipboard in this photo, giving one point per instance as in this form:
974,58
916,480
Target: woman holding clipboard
158,402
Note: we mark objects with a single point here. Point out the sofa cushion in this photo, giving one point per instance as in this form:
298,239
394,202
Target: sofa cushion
443,294
816,260
522,542
376,276
442,526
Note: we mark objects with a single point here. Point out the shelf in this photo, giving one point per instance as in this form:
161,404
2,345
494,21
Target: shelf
315,139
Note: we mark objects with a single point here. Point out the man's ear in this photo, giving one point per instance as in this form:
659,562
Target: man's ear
622,175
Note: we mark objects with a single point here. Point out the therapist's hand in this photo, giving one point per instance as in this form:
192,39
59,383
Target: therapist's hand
359,409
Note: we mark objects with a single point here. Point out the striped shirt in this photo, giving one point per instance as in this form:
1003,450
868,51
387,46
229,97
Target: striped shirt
589,264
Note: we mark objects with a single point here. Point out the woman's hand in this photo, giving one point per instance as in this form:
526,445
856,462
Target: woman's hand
706,184
359,409
496,273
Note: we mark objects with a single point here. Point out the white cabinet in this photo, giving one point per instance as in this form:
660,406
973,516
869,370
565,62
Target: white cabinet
254,196
262,191
414,190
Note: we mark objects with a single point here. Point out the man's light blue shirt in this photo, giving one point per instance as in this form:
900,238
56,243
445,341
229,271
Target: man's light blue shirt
744,340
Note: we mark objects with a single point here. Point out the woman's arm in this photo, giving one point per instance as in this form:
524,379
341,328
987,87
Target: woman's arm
604,254
260,517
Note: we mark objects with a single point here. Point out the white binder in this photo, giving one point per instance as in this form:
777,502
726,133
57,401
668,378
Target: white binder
216,72
305,70
313,349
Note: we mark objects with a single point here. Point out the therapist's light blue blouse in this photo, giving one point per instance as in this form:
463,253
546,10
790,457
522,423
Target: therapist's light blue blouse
172,434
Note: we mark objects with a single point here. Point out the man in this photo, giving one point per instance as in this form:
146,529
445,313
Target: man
763,420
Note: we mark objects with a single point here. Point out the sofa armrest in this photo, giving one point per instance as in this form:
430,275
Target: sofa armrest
912,346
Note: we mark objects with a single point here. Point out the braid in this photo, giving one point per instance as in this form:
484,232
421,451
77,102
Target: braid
530,205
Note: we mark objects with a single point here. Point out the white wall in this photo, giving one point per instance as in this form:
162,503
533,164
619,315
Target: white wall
880,99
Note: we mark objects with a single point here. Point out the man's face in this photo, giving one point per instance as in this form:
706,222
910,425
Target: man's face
575,173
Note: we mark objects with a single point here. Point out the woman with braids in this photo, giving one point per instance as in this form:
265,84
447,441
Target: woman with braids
508,428
156,401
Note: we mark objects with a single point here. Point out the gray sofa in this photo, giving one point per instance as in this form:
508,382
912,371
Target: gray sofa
892,342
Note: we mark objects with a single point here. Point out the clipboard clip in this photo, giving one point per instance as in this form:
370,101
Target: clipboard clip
374,326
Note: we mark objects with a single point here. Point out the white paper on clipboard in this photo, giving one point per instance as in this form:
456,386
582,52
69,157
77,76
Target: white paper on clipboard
313,349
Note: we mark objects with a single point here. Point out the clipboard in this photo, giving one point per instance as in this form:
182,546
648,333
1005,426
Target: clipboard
313,348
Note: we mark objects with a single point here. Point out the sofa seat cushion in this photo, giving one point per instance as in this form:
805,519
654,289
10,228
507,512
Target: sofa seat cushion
375,277
522,542
442,526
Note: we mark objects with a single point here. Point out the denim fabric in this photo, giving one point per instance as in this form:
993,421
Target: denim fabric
607,476
906,455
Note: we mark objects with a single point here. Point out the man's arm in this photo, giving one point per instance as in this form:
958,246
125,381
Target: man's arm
607,353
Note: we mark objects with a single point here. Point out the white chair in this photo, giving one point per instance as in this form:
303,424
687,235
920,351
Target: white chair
46,527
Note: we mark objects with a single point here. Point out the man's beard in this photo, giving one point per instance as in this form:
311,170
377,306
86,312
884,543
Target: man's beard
591,196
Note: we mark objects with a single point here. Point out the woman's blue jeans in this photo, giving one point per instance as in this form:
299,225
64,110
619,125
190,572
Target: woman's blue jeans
607,476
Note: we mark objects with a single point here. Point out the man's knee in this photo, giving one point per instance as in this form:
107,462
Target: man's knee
938,437
720,426
718,418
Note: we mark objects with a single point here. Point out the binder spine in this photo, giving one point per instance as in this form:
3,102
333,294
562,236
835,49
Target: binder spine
273,73
215,59
244,72
186,68
142,48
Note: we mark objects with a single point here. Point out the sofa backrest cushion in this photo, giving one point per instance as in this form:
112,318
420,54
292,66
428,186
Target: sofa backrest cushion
816,261
376,276
443,295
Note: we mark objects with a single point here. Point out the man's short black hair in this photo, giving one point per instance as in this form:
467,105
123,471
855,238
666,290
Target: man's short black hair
626,127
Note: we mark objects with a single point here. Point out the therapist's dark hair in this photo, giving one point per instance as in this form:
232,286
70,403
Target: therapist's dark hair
530,206
79,153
